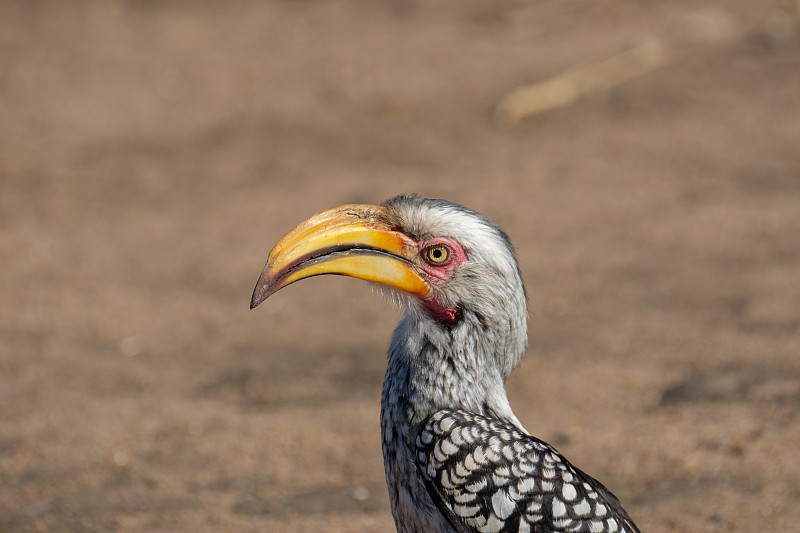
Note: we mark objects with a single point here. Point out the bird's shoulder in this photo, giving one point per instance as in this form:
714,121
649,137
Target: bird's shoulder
486,475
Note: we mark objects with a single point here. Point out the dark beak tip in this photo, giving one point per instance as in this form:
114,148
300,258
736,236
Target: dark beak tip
260,294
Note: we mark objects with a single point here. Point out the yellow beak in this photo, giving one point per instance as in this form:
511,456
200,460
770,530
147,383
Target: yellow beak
351,240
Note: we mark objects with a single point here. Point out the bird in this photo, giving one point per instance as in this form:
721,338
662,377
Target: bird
456,458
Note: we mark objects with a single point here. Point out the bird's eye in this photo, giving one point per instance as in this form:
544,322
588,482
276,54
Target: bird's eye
437,254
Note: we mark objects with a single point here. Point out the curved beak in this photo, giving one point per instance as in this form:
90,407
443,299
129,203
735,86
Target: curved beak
351,240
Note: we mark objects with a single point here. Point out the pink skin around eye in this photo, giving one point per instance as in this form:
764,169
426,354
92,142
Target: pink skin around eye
445,314
442,270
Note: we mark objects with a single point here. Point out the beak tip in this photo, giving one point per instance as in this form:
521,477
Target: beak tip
260,294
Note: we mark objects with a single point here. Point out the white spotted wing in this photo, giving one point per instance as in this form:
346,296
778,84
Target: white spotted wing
487,476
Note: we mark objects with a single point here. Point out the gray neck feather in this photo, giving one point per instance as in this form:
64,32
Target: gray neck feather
432,366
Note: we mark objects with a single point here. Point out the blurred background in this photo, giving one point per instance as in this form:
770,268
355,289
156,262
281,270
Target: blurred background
643,156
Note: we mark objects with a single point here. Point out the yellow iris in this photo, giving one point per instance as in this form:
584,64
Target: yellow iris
437,254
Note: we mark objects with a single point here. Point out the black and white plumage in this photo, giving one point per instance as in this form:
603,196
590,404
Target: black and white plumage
487,475
456,457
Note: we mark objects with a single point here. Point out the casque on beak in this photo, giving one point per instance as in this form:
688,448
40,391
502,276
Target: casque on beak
352,240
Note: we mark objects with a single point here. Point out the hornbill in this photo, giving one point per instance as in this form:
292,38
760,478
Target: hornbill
456,457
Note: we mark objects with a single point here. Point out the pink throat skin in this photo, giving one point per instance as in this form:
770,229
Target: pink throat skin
448,316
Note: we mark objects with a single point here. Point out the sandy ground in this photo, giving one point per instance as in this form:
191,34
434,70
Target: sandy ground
152,152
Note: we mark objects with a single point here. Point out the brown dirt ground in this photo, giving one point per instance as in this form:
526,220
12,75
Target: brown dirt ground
152,152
